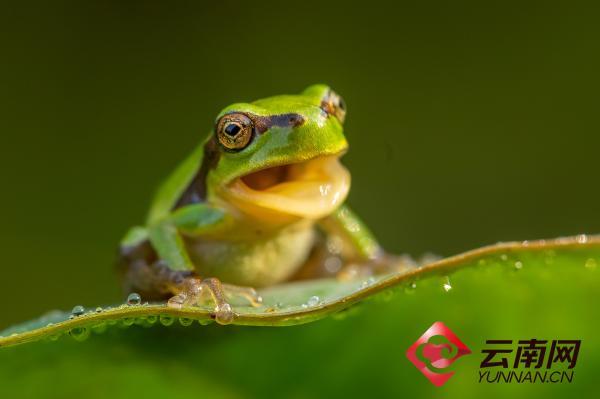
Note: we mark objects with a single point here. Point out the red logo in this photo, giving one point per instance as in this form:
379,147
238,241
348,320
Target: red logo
435,351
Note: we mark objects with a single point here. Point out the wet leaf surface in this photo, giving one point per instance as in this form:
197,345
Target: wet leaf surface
304,302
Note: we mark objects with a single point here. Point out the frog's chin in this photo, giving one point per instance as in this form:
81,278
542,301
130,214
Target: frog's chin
310,189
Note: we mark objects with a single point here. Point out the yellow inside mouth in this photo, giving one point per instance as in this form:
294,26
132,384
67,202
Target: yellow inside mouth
311,189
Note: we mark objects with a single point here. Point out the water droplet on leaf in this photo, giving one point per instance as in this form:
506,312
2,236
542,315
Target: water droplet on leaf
582,238
79,333
447,286
54,337
518,265
134,299
410,288
77,311
99,328
313,301
368,282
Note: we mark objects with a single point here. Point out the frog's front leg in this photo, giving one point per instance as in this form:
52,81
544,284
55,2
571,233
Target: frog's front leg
166,238
360,250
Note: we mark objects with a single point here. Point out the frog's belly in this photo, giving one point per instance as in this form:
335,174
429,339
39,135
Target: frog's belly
256,263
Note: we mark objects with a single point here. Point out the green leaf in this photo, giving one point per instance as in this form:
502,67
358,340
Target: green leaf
545,290
303,302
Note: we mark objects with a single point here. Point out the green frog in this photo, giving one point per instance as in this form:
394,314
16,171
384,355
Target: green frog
254,205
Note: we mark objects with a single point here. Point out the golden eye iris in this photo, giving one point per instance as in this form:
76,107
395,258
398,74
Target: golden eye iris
334,105
234,131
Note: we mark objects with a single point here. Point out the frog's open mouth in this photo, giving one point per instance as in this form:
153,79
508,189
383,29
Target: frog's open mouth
310,189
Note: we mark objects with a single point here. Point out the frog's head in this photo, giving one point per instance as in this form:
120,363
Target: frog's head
278,157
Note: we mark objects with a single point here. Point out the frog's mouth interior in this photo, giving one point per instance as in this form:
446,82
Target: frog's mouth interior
310,189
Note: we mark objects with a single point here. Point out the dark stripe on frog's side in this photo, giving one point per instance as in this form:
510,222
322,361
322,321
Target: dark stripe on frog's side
196,190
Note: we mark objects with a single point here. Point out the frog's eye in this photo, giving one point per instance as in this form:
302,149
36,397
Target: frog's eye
234,131
334,105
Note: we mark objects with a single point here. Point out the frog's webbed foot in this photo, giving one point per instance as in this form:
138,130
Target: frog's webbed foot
383,264
193,291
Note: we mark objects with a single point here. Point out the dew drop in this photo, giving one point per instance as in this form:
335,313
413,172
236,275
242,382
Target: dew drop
518,265
134,299
313,301
385,296
367,283
99,328
185,321
128,321
166,320
582,238
77,311
224,314
79,333
54,337
447,286
504,257
205,322
591,264
410,288
152,319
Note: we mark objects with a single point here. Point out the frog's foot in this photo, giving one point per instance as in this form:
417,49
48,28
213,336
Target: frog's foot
192,291
248,293
384,264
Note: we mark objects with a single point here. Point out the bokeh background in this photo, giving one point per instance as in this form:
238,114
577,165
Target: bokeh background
469,123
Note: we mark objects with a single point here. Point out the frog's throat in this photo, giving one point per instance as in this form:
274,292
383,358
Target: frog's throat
311,189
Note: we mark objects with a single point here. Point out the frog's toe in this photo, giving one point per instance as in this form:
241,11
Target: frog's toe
176,301
248,293
224,314
387,263
193,291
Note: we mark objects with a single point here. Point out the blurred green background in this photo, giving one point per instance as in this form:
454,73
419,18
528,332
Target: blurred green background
469,123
